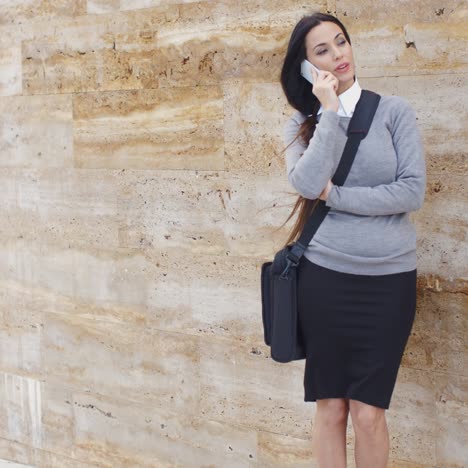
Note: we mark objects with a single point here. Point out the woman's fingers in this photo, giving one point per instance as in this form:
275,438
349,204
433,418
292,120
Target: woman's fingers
325,88
332,79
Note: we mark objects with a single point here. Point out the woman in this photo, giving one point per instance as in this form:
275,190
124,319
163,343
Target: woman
357,278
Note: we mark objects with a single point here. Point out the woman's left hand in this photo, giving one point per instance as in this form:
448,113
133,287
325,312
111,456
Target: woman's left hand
326,191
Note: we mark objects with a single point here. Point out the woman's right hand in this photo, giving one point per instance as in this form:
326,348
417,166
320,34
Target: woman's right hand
325,87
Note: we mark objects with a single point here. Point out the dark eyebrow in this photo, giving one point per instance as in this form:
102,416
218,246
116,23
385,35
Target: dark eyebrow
324,43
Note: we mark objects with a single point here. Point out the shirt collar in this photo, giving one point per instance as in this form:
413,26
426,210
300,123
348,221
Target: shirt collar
348,100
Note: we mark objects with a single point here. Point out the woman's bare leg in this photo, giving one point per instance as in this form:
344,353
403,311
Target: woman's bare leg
329,432
371,434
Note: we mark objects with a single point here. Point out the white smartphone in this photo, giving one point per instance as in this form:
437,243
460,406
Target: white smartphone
305,70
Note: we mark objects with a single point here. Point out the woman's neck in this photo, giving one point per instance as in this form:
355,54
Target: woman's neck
345,86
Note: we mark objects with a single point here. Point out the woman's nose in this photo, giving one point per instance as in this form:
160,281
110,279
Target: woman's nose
338,54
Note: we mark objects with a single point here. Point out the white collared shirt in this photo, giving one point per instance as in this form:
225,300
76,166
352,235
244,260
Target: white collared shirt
348,100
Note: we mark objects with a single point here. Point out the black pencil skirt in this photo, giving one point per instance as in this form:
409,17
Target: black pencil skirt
355,329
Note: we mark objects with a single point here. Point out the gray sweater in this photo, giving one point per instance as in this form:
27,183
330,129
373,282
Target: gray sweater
368,229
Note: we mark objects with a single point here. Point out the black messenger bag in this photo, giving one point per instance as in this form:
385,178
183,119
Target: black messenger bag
279,277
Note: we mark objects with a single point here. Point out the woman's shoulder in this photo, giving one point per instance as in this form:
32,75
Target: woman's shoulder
389,103
297,117
293,122
394,110
394,103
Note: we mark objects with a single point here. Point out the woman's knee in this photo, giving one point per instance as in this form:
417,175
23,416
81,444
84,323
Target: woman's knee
333,411
365,417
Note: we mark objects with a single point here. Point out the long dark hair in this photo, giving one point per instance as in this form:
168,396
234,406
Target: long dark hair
299,94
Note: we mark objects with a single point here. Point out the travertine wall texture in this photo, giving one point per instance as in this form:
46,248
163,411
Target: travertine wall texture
141,182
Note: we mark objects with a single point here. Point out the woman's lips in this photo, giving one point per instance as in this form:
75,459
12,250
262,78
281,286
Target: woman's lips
342,70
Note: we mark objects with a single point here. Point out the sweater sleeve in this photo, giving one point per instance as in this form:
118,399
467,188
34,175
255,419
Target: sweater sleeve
407,192
310,167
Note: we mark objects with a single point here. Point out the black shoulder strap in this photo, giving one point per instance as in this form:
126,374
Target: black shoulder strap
357,130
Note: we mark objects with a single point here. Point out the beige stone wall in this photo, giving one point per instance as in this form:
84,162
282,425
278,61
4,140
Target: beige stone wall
141,181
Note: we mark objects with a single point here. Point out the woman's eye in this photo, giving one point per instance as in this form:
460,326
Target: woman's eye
322,51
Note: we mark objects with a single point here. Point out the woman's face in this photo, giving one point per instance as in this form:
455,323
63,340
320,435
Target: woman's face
327,48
